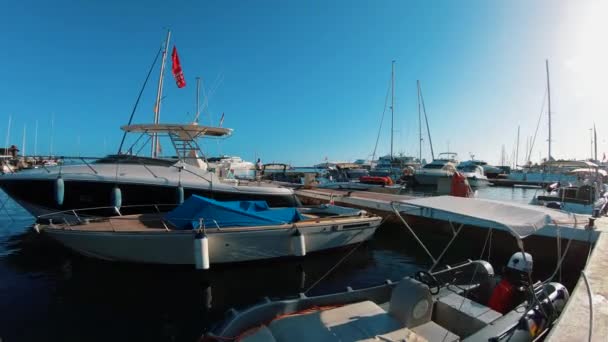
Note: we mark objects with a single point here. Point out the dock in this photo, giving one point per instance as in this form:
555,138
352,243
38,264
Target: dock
513,183
573,324
378,203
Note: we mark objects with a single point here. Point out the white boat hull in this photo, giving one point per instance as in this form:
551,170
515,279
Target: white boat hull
225,246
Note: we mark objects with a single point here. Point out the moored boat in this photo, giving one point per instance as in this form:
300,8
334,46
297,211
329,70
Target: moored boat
202,231
442,167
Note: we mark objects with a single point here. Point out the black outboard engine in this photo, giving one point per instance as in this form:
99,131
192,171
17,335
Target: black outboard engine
550,301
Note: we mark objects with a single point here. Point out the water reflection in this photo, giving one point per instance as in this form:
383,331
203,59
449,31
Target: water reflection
53,294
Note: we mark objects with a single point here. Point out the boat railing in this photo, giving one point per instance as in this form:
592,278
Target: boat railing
80,214
89,162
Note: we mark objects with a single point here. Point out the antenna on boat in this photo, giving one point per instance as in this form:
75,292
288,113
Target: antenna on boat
8,130
517,148
52,129
198,111
549,106
36,139
159,95
23,141
595,142
392,104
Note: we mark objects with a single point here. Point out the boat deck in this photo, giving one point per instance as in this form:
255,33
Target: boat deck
154,222
127,223
573,324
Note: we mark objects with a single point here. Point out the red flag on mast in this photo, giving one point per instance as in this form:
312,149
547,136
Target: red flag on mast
177,69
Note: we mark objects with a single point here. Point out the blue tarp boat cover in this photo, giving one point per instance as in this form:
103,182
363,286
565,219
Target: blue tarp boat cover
229,214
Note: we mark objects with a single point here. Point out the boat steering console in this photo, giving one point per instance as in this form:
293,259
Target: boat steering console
429,280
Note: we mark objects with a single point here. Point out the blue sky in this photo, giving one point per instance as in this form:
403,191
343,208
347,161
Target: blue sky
303,80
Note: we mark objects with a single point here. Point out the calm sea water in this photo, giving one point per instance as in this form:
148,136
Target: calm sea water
48,293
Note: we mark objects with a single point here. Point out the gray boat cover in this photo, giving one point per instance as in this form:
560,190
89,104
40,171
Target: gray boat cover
520,220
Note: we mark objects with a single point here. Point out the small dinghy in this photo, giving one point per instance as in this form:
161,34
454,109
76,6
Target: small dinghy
203,231
448,305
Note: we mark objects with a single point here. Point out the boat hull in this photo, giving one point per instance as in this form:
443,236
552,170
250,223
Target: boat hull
428,178
225,246
38,196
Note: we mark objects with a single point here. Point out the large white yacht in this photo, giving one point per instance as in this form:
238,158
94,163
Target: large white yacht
127,181
442,167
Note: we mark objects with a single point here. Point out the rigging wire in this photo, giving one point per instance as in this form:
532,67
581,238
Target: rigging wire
138,98
542,110
381,121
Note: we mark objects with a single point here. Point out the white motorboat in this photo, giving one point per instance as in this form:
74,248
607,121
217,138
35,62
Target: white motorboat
446,305
131,181
223,164
586,199
489,171
474,174
562,171
442,167
203,231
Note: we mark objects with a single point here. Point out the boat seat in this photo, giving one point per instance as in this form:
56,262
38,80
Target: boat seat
353,322
461,315
434,332
363,321
412,305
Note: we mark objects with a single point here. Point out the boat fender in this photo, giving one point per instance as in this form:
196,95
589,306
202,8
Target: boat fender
298,243
180,194
201,251
116,197
460,185
59,191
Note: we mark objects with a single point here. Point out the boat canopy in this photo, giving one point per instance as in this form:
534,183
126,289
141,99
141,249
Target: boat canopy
519,219
228,214
191,130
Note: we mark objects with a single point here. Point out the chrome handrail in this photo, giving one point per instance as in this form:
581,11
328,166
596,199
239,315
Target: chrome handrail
74,211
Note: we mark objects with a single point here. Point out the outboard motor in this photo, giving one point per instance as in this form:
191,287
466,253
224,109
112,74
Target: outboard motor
552,299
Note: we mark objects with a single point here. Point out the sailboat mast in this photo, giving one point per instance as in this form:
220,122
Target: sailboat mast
419,124
517,148
159,95
23,141
392,105
549,106
198,86
426,119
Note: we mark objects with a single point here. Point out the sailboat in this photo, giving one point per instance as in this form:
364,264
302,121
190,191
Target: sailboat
393,165
127,181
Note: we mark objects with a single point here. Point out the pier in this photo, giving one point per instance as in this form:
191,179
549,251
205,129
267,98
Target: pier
512,183
573,324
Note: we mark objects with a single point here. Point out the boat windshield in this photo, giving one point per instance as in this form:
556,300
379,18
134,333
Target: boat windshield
131,159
